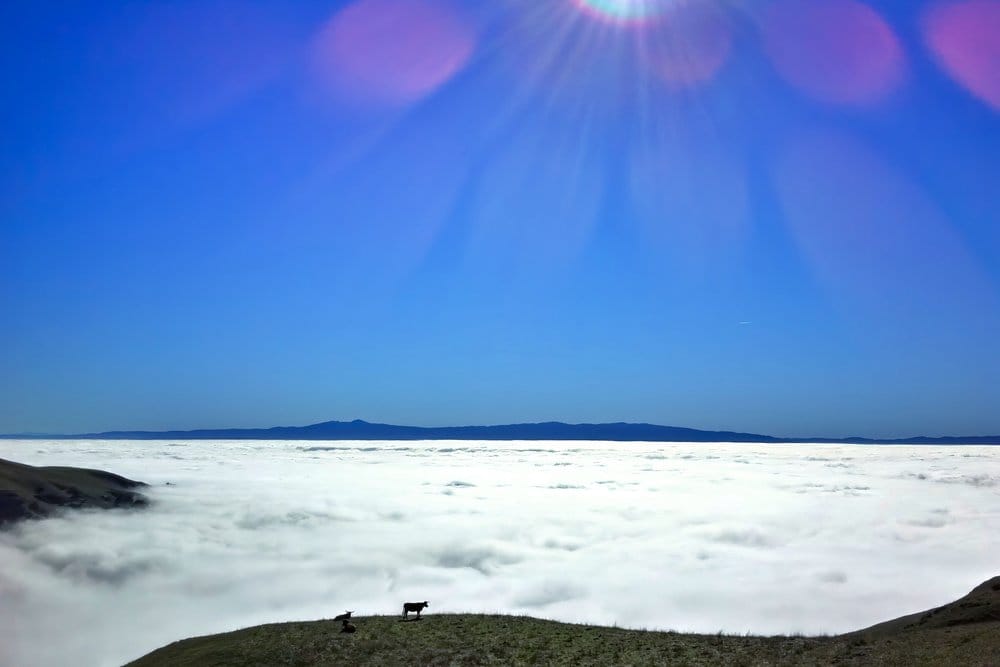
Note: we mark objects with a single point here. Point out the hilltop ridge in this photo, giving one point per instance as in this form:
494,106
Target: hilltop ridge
359,429
963,632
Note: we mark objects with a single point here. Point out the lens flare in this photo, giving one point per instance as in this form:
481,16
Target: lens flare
392,52
873,235
965,38
623,11
835,51
690,45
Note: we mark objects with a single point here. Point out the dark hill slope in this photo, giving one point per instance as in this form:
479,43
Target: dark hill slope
965,632
29,492
981,605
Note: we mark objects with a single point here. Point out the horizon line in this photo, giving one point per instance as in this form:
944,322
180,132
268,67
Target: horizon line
237,432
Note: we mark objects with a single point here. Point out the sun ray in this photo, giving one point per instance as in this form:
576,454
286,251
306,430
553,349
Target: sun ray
624,11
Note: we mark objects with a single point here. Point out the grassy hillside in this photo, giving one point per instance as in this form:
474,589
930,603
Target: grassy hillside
965,632
29,492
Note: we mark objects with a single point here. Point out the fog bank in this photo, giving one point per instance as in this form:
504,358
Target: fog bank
690,537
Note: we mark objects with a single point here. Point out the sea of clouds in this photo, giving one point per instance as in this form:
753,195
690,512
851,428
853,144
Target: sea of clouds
690,537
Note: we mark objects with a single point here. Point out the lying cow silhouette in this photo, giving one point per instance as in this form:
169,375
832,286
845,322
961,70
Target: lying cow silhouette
348,627
343,617
414,606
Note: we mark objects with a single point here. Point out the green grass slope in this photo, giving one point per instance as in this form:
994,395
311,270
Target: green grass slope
962,637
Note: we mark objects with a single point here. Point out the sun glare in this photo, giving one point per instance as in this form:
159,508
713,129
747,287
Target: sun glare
623,11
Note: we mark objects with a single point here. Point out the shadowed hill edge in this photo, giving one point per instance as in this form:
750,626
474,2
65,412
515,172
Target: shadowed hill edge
30,492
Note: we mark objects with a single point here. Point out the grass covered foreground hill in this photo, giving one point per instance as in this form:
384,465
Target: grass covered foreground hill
30,492
965,632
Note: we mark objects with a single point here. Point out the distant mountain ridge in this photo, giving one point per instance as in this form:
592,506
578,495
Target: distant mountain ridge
617,432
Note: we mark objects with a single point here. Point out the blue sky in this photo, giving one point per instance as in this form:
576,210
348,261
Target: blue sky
778,217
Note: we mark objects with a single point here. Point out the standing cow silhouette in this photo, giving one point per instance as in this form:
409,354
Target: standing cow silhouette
414,606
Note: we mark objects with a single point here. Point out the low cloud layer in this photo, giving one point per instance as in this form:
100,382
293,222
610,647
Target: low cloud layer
690,537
